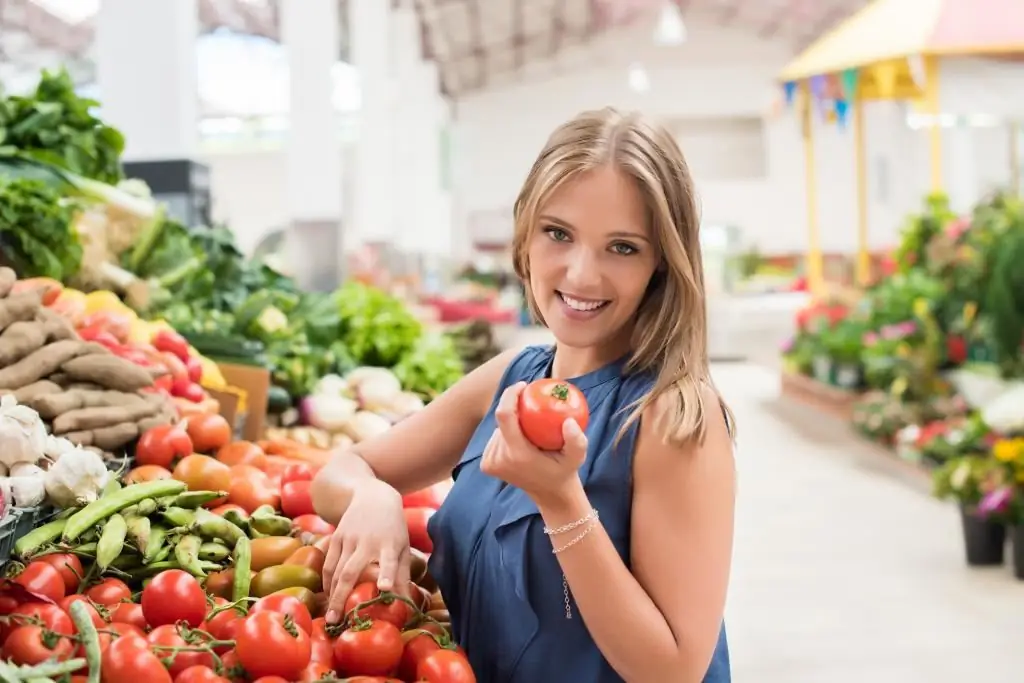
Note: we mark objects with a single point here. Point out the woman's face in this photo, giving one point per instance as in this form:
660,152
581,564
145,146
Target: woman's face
591,257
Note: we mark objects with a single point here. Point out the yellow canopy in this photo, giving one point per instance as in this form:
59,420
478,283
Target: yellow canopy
888,30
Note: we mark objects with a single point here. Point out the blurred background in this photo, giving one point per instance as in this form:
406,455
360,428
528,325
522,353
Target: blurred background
312,185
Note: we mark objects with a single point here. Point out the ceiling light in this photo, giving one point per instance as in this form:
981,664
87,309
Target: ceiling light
638,79
671,29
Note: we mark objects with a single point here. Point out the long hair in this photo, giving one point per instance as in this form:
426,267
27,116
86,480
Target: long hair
670,330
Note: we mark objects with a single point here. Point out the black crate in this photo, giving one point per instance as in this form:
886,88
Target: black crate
7,537
45,515
26,520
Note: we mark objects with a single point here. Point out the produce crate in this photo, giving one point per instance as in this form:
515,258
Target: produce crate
45,515
7,537
26,520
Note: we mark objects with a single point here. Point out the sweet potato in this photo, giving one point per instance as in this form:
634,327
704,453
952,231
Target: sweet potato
79,438
105,416
20,339
51,405
18,307
39,364
155,421
109,371
55,326
112,438
7,279
33,392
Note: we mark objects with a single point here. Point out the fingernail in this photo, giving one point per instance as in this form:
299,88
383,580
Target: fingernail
572,427
384,584
332,617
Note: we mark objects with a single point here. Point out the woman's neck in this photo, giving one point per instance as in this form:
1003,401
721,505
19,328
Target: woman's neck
576,362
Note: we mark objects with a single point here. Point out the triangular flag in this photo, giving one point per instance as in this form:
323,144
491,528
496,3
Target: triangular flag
885,78
849,79
789,88
842,109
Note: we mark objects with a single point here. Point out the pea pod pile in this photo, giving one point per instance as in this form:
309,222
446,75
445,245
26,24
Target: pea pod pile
136,531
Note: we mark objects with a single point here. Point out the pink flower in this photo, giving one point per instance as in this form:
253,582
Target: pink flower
869,338
787,345
995,501
958,227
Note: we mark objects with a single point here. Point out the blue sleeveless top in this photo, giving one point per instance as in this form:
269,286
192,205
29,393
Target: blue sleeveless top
493,562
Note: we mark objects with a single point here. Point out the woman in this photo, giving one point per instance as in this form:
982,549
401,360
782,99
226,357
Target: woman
608,561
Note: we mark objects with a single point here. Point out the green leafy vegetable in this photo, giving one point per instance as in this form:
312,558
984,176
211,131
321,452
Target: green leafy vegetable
36,233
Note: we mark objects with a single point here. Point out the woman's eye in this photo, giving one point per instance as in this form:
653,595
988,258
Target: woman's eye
624,249
557,234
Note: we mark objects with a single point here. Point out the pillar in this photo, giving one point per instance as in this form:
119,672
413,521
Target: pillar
406,50
310,34
147,75
960,162
372,194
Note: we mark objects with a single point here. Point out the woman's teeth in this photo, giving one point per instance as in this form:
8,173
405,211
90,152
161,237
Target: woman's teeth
581,305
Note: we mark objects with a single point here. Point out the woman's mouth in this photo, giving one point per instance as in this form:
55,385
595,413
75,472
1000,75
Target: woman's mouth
580,307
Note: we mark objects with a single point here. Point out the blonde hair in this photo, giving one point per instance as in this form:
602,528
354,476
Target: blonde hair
670,332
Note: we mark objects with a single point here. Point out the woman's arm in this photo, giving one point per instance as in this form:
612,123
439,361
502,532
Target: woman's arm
682,528
418,451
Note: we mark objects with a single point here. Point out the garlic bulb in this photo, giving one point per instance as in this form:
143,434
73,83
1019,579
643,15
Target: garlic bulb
76,478
27,491
22,433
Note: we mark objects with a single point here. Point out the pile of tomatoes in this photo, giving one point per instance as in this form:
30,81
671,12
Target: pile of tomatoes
173,632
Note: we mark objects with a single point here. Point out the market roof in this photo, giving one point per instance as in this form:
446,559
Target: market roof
476,43
894,29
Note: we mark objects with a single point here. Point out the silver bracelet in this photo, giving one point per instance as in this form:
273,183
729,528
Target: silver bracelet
575,540
592,515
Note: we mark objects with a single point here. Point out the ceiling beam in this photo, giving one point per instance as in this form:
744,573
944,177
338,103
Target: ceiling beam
475,18
559,26
47,29
519,32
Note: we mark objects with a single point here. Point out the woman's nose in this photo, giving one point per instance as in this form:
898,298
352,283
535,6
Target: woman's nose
583,269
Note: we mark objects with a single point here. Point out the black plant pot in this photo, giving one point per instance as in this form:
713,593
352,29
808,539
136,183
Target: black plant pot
1017,537
984,540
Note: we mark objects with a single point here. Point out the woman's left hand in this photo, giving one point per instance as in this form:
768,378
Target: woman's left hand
509,456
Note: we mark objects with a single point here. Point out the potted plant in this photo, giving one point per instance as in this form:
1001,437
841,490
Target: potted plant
1007,500
843,344
975,482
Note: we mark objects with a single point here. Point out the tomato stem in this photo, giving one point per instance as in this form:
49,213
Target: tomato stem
560,391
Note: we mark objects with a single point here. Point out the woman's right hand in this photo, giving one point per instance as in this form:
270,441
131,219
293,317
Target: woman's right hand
372,530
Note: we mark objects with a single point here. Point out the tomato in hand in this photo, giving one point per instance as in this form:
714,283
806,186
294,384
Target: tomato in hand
395,611
209,432
269,644
30,645
416,520
445,666
128,659
70,568
163,445
544,406
369,649
288,605
109,592
173,596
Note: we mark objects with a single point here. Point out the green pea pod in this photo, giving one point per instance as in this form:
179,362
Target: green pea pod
186,554
214,552
111,541
87,550
99,510
264,511
238,519
243,564
212,526
139,529
157,567
164,553
146,507
190,500
89,637
179,517
38,537
157,540
271,525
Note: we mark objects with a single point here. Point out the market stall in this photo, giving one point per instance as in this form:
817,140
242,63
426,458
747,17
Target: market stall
900,50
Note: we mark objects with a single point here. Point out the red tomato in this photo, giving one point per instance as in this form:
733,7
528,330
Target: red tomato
296,499
163,445
109,592
194,366
315,671
268,646
49,289
163,638
209,432
445,666
323,647
116,323
43,580
221,509
191,392
288,605
313,524
94,614
51,617
199,674
171,341
416,519
129,660
544,406
269,679
242,453
129,613
418,645
99,335
392,610
223,625
300,471
370,649
70,568
174,596
31,645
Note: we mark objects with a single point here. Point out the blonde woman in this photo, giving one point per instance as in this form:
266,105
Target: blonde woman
607,561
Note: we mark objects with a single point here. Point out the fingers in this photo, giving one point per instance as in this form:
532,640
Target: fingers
350,567
388,569
575,440
404,576
331,558
507,416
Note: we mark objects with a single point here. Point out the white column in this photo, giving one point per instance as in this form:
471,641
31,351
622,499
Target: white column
961,169
405,59
146,74
310,34
430,235
373,198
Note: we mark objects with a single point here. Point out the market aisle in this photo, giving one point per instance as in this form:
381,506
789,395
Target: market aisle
844,573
